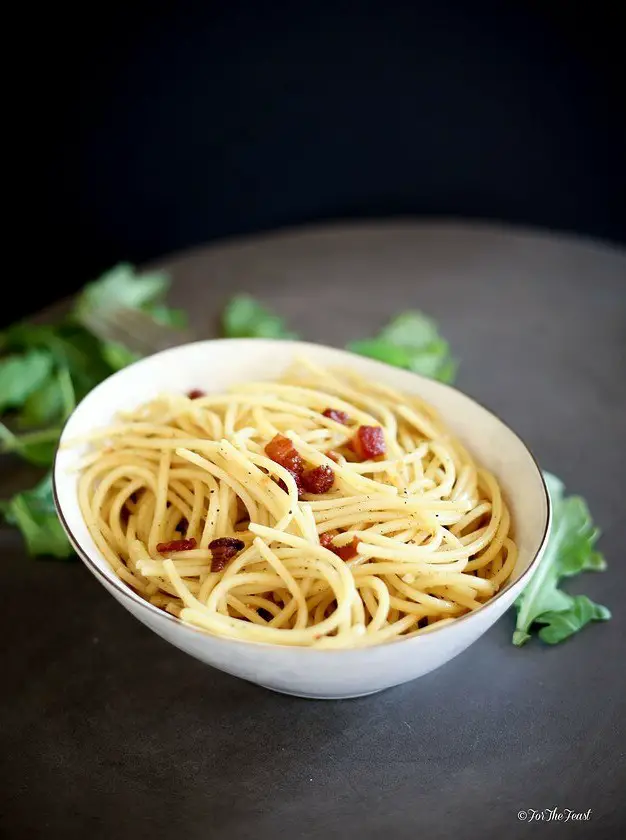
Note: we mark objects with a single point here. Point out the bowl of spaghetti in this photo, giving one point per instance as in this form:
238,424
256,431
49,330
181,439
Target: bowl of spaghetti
312,521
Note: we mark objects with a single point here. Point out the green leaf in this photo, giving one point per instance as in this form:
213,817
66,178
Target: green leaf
122,287
383,351
245,317
411,329
50,367
81,352
561,625
21,375
40,454
37,447
43,406
66,389
69,361
447,371
76,365
53,402
520,637
411,341
117,356
33,513
24,336
570,550
167,316
6,438
69,345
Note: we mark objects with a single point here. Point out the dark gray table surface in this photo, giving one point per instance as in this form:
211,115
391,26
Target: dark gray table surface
109,732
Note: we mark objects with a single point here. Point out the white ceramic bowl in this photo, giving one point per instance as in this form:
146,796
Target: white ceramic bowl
215,365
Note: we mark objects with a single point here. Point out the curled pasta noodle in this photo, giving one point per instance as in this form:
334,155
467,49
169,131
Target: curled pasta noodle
187,502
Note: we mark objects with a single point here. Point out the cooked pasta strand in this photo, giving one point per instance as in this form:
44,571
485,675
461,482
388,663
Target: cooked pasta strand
335,548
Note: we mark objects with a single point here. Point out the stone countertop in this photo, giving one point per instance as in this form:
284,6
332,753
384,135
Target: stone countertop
107,731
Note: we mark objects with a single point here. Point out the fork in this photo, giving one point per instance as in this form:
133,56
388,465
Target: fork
135,329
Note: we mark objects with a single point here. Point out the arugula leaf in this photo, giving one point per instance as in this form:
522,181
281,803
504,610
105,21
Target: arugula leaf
560,625
122,287
117,356
167,316
69,345
53,366
384,351
53,401
43,406
570,550
25,336
81,352
20,376
411,329
32,511
46,369
36,447
245,317
68,394
411,341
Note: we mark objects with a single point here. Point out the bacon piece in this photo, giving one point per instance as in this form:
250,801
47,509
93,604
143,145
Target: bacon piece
318,480
337,415
176,545
296,477
223,550
195,394
345,552
334,456
326,540
368,442
281,450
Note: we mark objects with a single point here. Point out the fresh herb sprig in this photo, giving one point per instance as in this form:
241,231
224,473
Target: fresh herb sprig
45,370
570,551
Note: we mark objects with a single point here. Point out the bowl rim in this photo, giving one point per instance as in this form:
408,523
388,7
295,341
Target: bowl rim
129,594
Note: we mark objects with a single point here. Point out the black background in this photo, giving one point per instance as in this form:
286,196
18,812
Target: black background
155,126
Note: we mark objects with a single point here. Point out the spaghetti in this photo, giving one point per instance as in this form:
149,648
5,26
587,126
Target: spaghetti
319,510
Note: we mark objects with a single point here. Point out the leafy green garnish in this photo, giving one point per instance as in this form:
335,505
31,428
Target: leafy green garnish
46,369
32,511
166,316
561,625
411,341
43,406
570,550
20,376
36,447
121,287
245,317
117,356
